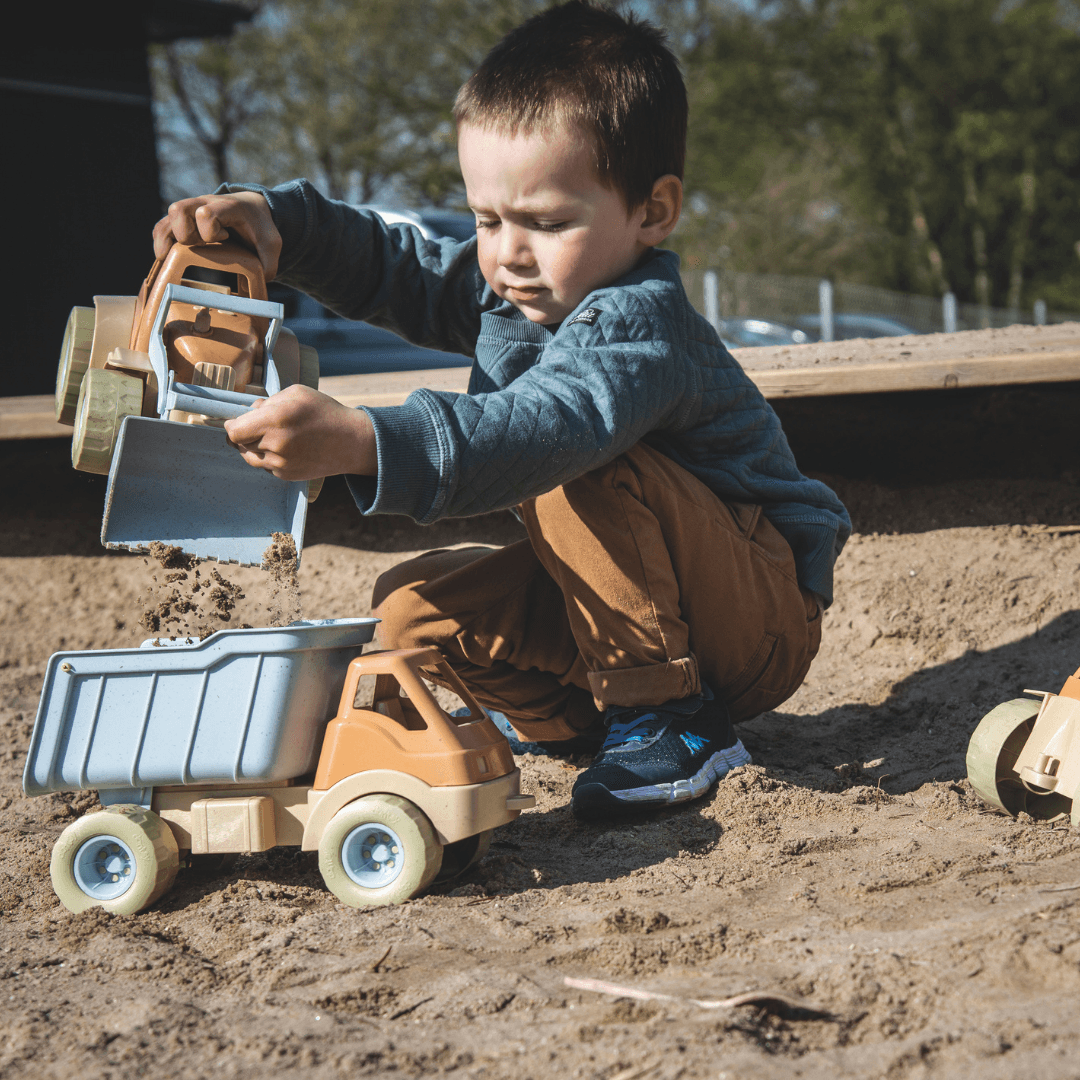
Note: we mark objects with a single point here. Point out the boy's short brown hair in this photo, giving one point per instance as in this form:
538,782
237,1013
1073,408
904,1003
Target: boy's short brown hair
585,65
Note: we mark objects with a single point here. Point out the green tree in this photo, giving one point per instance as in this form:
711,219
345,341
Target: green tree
355,96
766,190
205,101
959,117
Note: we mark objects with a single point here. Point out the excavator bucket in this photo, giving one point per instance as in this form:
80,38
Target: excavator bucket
186,486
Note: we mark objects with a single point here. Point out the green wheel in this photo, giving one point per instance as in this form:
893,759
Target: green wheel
463,855
74,358
379,850
991,759
121,859
105,399
309,376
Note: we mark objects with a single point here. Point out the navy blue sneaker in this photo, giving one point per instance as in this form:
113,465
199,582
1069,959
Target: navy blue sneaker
656,756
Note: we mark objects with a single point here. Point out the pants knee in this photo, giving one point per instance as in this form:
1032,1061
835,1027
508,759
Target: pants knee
394,601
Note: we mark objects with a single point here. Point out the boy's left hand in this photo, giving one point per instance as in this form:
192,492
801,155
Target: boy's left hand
300,434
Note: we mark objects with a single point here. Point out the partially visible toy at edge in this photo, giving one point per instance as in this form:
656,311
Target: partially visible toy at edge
1024,757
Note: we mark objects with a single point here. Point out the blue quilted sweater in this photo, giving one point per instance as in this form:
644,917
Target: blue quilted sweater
634,361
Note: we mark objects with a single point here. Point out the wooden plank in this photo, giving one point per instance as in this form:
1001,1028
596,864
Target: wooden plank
392,387
30,417
919,375
1013,355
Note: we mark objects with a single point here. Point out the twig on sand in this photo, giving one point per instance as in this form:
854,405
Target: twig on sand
635,1071
752,997
374,969
1057,530
1062,888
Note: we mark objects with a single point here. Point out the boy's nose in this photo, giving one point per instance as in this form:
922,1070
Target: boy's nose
514,249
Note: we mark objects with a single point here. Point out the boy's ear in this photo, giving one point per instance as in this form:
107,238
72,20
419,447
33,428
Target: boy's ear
661,210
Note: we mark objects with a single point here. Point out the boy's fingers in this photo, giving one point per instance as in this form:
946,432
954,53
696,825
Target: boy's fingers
246,430
262,459
209,219
209,225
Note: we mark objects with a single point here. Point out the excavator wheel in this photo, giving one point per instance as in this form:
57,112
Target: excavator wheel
106,397
74,360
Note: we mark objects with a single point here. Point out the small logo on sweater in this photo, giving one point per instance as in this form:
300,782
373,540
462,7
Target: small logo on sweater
588,316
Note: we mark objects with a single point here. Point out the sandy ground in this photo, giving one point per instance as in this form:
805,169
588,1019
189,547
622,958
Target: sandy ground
850,866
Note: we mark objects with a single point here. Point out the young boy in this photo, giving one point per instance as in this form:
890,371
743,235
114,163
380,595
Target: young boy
677,561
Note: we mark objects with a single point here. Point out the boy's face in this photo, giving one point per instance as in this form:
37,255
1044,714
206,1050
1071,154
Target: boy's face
548,232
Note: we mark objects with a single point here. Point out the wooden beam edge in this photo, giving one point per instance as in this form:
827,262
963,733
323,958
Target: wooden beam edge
951,374
32,417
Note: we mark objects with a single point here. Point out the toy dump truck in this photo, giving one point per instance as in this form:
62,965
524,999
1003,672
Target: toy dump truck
231,745
1025,754
149,380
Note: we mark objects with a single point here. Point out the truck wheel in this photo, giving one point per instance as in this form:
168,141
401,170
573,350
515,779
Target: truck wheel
309,376
105,399
122,859
378,850
74,358
991,759
463,855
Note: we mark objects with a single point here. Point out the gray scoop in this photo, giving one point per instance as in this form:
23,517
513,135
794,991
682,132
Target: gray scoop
186,485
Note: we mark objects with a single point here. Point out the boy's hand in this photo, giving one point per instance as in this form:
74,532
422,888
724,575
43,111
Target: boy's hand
300,434
206,219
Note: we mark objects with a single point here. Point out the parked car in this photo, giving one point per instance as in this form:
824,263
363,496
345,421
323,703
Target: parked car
347,347
743,333
847,326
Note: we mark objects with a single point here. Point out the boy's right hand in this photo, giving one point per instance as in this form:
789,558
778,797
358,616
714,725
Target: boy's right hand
207,219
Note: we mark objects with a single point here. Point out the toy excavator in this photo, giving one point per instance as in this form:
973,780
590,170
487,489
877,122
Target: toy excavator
1025,755
148,382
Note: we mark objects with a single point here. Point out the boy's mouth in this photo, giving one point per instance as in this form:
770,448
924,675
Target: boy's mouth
525,292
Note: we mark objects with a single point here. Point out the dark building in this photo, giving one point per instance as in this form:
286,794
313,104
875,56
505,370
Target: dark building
81,184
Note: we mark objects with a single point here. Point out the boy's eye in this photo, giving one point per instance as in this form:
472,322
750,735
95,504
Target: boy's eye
486,223
550,226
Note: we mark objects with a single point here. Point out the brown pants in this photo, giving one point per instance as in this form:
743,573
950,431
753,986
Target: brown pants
635,583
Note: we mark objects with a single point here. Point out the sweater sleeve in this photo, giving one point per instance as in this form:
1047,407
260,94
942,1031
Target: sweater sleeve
594,392
430,292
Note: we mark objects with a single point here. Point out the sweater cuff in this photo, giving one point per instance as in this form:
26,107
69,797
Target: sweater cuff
411,456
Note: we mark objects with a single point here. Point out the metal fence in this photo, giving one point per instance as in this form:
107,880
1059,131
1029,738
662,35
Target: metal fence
784,298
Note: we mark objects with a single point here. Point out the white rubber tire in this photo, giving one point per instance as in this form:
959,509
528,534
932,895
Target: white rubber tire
74,360
379,850
105,399
121,859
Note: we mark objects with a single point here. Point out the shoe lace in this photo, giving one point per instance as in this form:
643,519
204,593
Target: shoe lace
636,729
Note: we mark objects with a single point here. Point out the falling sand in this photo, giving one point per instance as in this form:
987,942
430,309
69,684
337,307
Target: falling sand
187,601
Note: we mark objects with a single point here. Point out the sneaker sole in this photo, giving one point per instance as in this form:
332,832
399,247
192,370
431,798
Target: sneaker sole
595,799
